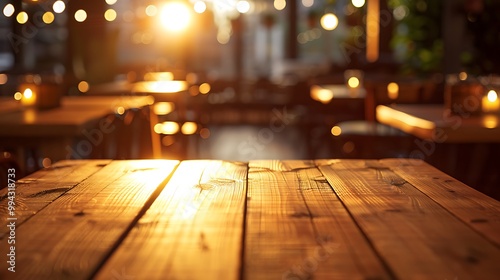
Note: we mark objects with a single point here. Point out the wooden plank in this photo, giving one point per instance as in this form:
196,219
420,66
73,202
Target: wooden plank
72,236
297,228
39,189
477,210
192,231
417,237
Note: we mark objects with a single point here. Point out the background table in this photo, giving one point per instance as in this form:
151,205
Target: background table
50,131
324,219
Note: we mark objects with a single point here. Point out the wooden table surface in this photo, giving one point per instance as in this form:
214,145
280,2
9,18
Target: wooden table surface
434,123
68,119
324,219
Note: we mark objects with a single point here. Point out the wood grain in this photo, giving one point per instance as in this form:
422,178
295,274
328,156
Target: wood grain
416,237
39,189
69,238
297,228
192,231
477,210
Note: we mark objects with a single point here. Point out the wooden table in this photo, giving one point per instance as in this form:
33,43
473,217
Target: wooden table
49,130
435,123
324,219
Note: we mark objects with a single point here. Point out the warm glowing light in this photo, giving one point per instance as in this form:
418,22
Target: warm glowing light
243,6
168,128
204,88
160,86
58,7
159,76
307,3
392,90
22,17
163,108
492,96
490,121
9,10
462,76
3,79
189,128
83,86
111,2
329,21
28,98
200,7
490,102
205,133
191,78
48,17
120,110
110,15
400,12
358,3
372,30
46,162
175,16
279,4
321,94
223,37
353,82
80,15
336,130
151,10
18,96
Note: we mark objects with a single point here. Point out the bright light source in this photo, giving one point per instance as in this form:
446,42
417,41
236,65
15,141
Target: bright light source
28,93
358,3
18,96
279,4
48,17
243,6
204,88
22,17
336,130
120,110
110,15
80,15
169,128
353,82
83,86
3,79
111,2
462,76
393,90
492,96
189,128
329,21
200,7
163,108
175,16
58,7
9,10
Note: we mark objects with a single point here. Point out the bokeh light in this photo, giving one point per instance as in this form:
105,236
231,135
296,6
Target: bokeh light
110,15
58,7
189,128
48,17
353,82
243,6
80,15
151,10
3,79
175,16
22,17
200,7
279,4
83,86
9,10
329,21
204,88
358,3
111,2
336,130
393,90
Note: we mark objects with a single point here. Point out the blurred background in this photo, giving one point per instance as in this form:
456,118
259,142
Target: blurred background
249,79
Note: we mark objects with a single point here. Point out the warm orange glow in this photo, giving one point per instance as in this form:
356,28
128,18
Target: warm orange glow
29,97
336,130
205,133
163,108
48,17
3,79
387,113
18,96
392,90
83,86
322,95
490,102
120,110
160,86
204,88
175,16
159,76
22,18
110,15
151,10
169,128
46,162
353,82
189,128
490,121
462,76
372,30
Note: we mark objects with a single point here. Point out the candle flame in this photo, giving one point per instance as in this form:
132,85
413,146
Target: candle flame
492,96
